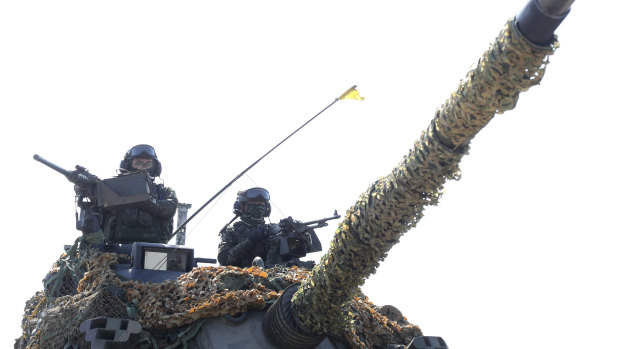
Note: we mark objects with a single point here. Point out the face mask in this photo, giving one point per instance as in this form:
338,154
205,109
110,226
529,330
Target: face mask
256,211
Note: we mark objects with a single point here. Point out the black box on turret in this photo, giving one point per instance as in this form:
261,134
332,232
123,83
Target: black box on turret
122,191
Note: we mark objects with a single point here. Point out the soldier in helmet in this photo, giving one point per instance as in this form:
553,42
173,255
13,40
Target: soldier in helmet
250,241
246,238
152,222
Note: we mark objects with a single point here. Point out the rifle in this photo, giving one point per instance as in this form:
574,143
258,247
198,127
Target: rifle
298,238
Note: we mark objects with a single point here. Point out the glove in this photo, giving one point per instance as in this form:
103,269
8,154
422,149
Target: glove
257,235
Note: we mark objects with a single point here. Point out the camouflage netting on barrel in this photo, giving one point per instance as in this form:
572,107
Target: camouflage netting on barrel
394,204
201,293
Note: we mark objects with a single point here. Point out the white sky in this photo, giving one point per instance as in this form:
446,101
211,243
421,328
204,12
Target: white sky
522,252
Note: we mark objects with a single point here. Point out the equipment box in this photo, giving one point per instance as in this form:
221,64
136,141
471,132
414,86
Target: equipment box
130,190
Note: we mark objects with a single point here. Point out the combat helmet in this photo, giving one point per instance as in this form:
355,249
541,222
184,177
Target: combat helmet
142,151
252,194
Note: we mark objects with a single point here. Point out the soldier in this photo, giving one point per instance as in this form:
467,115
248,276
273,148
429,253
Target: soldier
246,238
251,237
150,223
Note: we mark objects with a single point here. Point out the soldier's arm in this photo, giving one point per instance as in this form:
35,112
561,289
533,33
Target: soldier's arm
165,205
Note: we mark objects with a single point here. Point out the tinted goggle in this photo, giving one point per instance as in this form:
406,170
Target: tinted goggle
257,194
142,151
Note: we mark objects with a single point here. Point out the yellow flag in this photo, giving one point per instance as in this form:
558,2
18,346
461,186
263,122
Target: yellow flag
351,93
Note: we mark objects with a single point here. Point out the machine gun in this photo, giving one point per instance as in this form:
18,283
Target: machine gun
93,195
88,219
298,238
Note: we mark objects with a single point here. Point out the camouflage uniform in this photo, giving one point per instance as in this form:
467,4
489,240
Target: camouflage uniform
152,223
236,248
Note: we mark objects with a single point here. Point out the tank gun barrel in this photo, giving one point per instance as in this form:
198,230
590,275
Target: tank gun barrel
394,204
540,18
556,7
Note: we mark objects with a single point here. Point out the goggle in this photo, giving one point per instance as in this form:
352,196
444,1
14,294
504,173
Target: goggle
139,164
142,151
257,193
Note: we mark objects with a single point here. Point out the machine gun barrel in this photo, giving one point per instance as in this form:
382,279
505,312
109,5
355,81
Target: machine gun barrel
80,176
51,165
320,222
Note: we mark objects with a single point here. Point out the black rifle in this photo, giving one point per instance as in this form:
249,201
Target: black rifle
298,238
86,192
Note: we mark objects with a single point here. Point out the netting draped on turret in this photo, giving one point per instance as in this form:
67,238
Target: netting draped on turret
395,203
199,294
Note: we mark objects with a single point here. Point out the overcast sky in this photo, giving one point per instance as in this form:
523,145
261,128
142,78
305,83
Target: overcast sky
521,252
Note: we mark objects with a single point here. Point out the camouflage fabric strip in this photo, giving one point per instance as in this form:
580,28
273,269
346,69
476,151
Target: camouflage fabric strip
395,203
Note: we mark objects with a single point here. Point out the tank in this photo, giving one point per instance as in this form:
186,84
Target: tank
116,297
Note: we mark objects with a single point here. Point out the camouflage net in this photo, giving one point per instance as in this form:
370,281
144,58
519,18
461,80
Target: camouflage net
201,293
394,204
